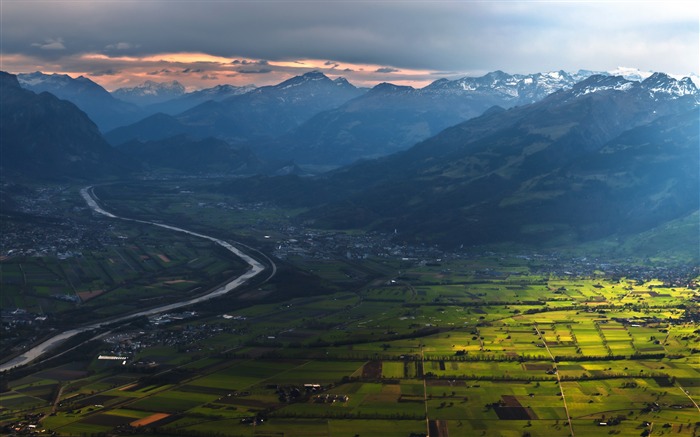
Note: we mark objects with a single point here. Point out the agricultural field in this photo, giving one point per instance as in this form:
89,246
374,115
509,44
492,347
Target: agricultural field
150,264
385,358
480,345
133,267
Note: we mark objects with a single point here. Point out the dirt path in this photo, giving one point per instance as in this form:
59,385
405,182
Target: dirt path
687,393
57,399
561,389
425,394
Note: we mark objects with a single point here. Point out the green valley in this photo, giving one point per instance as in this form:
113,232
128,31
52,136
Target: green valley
359,334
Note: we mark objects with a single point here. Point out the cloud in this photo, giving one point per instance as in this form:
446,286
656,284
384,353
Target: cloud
262,63
50,44
210,77
258,71
120,46
247,62
108,72
192,70
363,38
159,72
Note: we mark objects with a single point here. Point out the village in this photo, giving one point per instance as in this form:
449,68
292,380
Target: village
64,236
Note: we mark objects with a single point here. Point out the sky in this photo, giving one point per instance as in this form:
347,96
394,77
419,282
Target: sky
205,43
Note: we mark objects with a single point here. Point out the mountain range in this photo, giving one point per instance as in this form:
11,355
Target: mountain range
262,113
290,120
607,156
124,106
103,108
586,159
45,138
189,100
150,92
390,118
281,122
298,121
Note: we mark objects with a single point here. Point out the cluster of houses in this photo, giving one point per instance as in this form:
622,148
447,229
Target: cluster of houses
128,344
19,328
330,245
59,236
328,398
29,425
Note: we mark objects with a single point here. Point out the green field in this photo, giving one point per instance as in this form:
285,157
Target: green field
488,345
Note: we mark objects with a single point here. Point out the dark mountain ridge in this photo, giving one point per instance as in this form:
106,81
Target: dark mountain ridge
46,138
190,100
265,112
155,127
391,118
104,109
271,110
108,111
193,156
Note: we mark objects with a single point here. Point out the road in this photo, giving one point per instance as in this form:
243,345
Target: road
687,393
87,193
556,372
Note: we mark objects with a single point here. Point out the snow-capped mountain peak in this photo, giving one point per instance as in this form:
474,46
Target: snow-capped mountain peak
657,86
151,88
518,88
36,78
661,83
341,81
629,73
386,87
62,85
223,90
150,92
638,75
601,82
312,76
55,80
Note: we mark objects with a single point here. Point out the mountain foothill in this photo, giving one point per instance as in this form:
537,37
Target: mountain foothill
547,158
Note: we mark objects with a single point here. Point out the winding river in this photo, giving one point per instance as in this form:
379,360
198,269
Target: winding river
88,194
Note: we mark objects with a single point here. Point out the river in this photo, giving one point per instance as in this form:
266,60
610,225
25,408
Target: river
90,198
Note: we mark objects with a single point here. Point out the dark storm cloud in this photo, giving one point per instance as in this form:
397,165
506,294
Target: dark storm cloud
50,44
159,72
108,72
450,36
120,47
247,62
259,71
